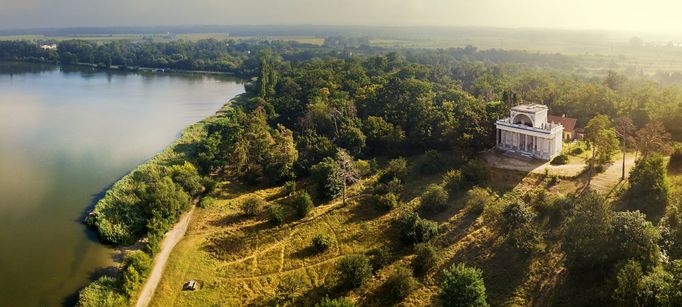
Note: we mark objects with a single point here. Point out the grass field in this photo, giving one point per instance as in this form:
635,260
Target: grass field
242,261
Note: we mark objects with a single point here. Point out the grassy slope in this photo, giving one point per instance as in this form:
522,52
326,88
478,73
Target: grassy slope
241,261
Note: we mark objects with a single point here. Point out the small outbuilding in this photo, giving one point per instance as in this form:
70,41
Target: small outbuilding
568,123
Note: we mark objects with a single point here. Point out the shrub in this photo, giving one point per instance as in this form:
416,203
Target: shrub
101,293
401,283
553,180
477,198
586,234
397,168
415,230
453,181
659,289
517,225
187,176
380,257
559,160
302,202
425,259
577,150
629,284
253,206
463,287
364,168
321,243
209,184
387,201
337,302
432,162
153,243
131,280
289,187
276,214
394,186
649,189
354,270
289,286
635,238
476,173
554,208
206,202
328,185
434,199
140,261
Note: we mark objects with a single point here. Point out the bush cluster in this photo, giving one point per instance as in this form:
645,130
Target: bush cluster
434,199
253,206
321,243
463,287
276,214
110,291
559,160
401,283
396,169
302,202
478,198
354,270
414,229
387,201
425,259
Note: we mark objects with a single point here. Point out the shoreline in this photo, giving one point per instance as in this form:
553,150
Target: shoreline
188,135
117,68
170,240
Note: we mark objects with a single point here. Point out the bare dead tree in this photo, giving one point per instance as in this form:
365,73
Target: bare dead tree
346,170
625,129
653,138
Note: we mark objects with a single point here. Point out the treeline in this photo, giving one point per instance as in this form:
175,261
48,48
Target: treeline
26,51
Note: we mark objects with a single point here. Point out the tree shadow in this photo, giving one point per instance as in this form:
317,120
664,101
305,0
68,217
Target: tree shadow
305,252
381,296
227,220
363,209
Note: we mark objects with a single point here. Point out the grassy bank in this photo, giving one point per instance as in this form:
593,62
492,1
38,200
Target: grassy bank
145,203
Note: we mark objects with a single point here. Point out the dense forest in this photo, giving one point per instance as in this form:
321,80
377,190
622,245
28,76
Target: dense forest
339,114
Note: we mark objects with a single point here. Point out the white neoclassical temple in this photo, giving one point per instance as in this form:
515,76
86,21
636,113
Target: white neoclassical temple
527,132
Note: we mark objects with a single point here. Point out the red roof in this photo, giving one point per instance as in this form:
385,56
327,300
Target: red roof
567,122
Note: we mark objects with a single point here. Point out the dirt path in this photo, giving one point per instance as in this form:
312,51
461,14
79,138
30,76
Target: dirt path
606,181
169,241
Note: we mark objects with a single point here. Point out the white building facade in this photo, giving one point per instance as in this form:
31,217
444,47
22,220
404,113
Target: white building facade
527,133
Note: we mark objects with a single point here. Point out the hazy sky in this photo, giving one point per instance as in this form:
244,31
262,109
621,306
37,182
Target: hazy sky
639,15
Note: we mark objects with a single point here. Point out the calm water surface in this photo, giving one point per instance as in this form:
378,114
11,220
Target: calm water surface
65,136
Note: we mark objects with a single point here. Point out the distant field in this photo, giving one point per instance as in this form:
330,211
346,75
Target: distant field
594,54
162,37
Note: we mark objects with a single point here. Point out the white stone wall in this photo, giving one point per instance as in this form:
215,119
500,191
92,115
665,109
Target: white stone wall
540,146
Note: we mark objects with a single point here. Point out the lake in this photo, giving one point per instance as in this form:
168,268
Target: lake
66,134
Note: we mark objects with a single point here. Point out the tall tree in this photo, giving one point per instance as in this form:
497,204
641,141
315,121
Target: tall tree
601,136
653,138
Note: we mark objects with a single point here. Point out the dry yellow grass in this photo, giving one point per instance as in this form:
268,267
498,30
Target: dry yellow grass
241,261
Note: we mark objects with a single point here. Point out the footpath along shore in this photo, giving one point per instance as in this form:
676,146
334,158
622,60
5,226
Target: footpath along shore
167,244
